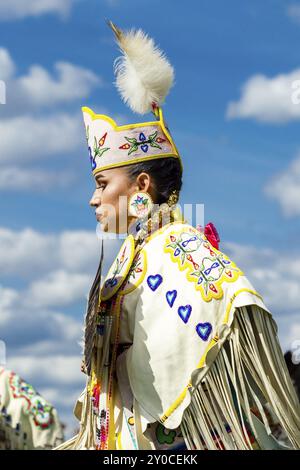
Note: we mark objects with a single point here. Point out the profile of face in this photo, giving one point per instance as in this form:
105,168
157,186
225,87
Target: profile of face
111,196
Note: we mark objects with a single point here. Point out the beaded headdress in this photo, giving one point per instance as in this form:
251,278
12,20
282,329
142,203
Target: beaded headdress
143,77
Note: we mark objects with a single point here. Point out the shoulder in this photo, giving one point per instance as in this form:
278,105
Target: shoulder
179,242
176,233
185,255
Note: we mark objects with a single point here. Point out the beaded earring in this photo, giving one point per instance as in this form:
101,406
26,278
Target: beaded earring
140,204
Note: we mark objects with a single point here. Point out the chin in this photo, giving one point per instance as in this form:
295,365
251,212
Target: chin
112,227
105,228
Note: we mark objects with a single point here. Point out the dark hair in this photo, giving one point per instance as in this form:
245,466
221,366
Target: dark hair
166,174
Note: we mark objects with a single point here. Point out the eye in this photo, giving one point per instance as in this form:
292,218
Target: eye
100,186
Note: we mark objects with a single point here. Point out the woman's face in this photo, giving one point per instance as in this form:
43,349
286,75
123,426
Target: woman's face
111,196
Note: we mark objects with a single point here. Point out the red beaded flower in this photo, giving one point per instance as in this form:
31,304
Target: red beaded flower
211,234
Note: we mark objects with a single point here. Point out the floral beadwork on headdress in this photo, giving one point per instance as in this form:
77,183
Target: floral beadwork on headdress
98,147
134,144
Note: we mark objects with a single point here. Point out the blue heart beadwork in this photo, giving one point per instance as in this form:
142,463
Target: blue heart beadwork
184,312
171,296
154,281
204,330
144,147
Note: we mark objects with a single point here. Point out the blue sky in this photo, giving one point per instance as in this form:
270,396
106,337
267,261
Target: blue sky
231,116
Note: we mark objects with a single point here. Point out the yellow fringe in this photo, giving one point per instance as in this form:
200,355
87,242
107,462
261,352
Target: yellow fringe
248,376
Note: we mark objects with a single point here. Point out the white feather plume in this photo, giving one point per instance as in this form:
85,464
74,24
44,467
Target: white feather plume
143,73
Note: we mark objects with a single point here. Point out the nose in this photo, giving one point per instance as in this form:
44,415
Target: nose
95,200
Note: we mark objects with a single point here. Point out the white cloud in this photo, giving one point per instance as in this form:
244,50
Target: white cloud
289,330
60,369
25,251
32,179
31,138
275,275
293,11
28,254
26,135
267,99
25,326
61,399
17,9
7,66
58,288
79,249
39,87
285,189
8,297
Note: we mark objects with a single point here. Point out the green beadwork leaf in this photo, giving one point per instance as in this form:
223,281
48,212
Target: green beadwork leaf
101,151
132,140
153,136
133,149
196,273
155,144
172,245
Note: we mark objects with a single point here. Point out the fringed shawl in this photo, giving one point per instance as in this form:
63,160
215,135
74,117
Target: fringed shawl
228,402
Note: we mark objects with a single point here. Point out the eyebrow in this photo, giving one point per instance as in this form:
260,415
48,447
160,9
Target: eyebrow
99,176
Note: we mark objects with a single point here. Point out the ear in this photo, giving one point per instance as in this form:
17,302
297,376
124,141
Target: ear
144,181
